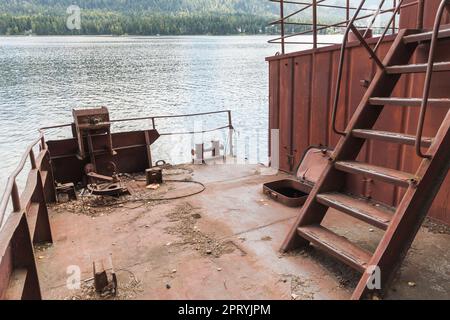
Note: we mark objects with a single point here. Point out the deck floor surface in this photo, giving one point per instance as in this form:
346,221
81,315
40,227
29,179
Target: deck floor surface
221,244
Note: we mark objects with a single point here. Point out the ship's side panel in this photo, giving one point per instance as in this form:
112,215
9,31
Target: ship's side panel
302,96
6,268
131,148
408,17
321,82
274,107
313,88
285,116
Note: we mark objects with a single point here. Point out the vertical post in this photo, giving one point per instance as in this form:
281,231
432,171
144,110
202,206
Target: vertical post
23,258
32,159
15,197
230,134
91,152
149,150
420,11
153,123
347,12
43,193
43,144
282,25
394,22
314,24
275,149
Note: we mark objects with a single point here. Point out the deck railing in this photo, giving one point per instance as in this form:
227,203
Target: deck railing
11,192
316,28
153,120
26,225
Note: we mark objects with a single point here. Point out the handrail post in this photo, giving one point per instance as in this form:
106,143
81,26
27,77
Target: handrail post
43,144
347,12
340,71
428,78
32,160
230,122
394,23
420,12
314,24
15,197
230,134
282,25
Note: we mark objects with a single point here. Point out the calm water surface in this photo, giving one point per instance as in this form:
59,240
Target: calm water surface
43,78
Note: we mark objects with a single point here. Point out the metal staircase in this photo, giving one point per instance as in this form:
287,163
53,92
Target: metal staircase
401,224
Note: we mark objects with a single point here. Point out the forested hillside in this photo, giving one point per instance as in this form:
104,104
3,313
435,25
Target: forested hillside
256,7
150,17
137,17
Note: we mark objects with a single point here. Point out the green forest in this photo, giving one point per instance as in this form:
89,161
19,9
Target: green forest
105,23
139,17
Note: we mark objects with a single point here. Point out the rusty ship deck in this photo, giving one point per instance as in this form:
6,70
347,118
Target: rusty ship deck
224,241
220,244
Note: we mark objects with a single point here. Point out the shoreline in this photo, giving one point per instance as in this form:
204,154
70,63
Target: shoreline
141,36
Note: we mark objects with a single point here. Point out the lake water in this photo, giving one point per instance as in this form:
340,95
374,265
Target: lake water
43,78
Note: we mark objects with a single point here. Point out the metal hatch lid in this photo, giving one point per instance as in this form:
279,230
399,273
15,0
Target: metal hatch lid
313,163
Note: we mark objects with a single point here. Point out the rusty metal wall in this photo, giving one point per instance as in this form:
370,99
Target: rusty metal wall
301,92
6,269
408,16
131,155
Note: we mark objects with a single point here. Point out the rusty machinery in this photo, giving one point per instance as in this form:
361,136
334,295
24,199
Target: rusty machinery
102,185
89,123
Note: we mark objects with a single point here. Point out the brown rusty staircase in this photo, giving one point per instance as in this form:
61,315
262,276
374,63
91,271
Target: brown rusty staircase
401,224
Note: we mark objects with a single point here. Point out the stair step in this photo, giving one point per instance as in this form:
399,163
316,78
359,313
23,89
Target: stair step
426,36
390,137
398,178
337,246
376,214
16,285
417,68
409,102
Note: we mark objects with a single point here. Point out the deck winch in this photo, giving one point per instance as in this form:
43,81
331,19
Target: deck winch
102,185
89,123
